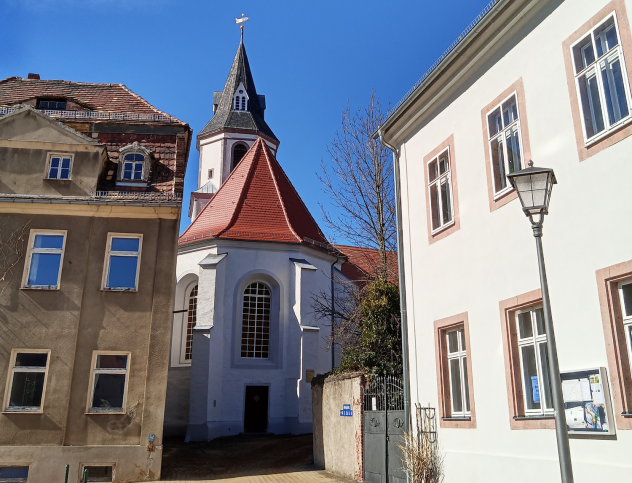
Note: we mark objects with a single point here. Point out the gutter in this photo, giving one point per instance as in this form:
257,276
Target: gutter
402,280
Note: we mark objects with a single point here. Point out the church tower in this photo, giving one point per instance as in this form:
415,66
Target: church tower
237,122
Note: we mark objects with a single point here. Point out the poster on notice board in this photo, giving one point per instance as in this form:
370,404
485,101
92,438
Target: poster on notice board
587,402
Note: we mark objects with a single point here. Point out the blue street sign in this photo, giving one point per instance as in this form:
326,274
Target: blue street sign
346,410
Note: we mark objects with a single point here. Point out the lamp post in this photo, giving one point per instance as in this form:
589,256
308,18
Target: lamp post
534,186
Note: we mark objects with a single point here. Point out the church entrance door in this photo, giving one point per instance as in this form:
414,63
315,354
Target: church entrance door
256,412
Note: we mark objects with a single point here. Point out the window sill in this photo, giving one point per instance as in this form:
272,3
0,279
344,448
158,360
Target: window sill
594,140
49,288
23,411
443,228
124,290
119,412
57,179
531,418
626,415
500,195
130,182
468,418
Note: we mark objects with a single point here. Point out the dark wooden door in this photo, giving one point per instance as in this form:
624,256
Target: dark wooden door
256,412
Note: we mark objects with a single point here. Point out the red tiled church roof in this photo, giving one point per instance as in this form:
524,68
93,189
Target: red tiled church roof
363,262
89,96
256,202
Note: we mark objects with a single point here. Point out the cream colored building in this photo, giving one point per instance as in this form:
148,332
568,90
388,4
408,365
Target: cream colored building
541,80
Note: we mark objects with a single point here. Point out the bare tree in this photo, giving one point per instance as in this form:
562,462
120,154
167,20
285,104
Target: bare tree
360,186
12,243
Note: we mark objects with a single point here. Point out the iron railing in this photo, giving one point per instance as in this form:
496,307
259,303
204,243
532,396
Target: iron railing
384,393
447,51
115,116
137,196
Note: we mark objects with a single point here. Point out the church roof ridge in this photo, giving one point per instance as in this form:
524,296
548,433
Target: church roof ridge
257,202
227,118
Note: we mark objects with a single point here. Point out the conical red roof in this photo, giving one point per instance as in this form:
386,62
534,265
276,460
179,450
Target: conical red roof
256,202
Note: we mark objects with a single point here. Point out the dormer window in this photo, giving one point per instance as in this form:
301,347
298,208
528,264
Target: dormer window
133,163
240,102
51,104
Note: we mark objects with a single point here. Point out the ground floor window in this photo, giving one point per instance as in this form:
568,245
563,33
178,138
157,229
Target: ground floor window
457,368
14,474
109,382
27,381
98,473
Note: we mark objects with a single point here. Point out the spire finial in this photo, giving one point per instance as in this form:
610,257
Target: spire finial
241,21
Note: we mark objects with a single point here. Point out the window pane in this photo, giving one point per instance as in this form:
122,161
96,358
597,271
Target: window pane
530,377
54,162
129,157
583,54
616,101
525,327
462,334
125,244
138,171
626,292
513,150
18,473
606,37
65,163
539,321
546,381
37,359
443,164
44,269
122,272
494,122
109,361
108,390
99,473
591,104
434,206
498,164
466,396
510,111
127,170
432,171
453,341
139,157
455,382
446,205
53,173
27,389
48,241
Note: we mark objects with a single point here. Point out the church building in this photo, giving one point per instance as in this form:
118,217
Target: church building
245,340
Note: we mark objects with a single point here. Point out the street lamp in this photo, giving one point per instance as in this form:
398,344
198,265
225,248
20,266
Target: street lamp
534,186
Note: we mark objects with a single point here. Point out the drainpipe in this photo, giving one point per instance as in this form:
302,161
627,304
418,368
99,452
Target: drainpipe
333,308
402,280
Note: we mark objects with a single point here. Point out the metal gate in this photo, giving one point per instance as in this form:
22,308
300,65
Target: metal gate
383,429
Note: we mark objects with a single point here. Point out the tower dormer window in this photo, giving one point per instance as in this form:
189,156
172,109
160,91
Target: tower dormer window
134,163
241,99
51,104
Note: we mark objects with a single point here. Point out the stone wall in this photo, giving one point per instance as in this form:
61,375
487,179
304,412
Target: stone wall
337,438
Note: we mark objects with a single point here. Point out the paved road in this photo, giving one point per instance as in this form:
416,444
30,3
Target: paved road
244,459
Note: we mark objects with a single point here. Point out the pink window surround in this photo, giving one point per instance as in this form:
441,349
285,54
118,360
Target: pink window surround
508,309
617,6
618,362
511,195
443,378
448,230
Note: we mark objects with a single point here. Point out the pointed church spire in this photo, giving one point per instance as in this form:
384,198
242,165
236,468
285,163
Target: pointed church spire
239,106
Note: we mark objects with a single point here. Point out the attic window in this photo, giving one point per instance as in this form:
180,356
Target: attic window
133,163
241,103
51,105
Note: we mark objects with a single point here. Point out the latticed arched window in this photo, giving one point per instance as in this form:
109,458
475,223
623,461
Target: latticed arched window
238,153
255,328
133,165
243,103
237,102
191,320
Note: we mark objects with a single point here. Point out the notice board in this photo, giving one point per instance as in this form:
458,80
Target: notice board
587,402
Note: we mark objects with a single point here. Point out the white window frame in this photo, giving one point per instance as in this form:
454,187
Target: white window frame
109,253
440,180
62,156
501,135
9,383
94,371
29,257
461,356
185,322
534,341
616,51
627,320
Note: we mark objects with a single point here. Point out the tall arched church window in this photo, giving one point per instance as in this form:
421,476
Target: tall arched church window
191,321
255,327
239,151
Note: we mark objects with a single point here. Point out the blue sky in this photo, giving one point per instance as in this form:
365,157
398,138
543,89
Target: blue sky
309,58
